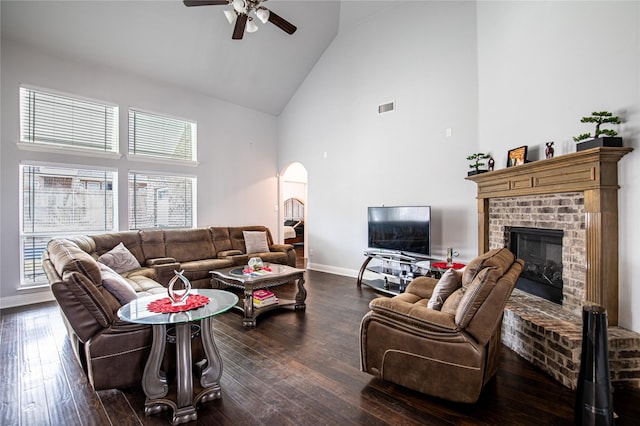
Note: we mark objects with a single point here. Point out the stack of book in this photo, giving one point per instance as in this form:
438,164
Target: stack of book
262,298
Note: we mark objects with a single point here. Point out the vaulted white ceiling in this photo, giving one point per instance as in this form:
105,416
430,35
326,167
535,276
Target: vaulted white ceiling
190,47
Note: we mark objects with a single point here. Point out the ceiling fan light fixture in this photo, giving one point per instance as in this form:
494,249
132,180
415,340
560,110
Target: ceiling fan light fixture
262,14
251,26
231,16
240,6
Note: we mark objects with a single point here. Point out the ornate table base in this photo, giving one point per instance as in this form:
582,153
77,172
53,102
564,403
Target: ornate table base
154,382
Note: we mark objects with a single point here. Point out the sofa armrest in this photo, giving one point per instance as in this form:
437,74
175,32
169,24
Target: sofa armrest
422,286
226,253
160,261
165,271
281,247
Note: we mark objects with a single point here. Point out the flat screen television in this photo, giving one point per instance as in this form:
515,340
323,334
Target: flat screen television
403,229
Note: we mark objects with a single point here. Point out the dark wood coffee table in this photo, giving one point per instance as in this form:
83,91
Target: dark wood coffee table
280,274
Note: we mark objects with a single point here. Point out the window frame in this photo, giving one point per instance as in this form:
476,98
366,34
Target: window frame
193,162
52,147
53,234
194,197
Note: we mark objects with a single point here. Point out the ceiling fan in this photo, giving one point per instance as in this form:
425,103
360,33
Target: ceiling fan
242,14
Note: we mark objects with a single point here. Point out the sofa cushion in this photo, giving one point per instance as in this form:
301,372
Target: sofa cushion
255,242
268,257
153,243
201,269
144,285
116,285
221,238
450,281
237,237
119,259
130,239
185,245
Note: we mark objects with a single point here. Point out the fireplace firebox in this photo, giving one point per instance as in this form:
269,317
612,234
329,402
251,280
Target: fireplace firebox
541,249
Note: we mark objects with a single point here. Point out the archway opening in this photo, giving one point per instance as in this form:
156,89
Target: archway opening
294,210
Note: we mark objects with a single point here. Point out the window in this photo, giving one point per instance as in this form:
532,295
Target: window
56,120
161,201
61,201
161,137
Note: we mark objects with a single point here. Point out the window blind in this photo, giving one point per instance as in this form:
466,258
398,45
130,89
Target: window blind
55,119
160,136
61,201
158,201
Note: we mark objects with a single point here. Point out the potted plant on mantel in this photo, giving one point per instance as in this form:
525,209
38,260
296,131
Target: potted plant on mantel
477,163
610,137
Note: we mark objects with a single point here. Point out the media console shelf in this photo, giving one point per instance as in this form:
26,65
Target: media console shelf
392,267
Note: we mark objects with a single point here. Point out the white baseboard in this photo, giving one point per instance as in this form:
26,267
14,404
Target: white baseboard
333,270
27,298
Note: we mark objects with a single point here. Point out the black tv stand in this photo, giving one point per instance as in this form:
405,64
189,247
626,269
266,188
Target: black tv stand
399,266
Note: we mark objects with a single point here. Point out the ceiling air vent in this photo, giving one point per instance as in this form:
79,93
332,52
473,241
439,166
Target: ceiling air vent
388,107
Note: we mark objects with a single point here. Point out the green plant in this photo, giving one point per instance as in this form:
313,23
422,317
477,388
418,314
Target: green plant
601,117
477,160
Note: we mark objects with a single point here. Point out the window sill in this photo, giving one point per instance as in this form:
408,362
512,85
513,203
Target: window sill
32,288
159,160
61,149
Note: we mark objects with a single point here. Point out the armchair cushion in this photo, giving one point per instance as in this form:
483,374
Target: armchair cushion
411,308
450,281
450,306
475,294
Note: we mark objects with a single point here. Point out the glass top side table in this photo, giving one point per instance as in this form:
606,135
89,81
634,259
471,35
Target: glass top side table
154,381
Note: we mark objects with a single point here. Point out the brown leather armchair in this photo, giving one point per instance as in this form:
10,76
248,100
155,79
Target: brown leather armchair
442,337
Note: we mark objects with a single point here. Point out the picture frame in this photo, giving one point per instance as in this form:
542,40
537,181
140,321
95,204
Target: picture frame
517,156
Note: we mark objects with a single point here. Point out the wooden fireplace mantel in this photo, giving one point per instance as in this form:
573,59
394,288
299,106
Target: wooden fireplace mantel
593,172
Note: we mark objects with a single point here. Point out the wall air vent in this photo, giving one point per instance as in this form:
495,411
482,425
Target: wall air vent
387,107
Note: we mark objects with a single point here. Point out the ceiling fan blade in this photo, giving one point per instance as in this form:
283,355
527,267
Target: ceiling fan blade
190,3
282,23
238,30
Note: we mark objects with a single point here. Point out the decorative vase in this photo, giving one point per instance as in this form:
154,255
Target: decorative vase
255,263
605,141
179,297
594,400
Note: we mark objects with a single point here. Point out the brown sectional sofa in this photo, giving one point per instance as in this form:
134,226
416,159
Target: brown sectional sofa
112,352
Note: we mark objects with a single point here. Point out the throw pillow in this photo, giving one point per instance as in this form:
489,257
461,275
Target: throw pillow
450,281
120,259
450,306
255,241
117,285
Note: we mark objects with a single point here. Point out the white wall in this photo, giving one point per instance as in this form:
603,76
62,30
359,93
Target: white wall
500,74
422,55
237,182
543,66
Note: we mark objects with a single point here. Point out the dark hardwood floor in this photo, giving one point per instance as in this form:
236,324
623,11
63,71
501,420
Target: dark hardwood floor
294,368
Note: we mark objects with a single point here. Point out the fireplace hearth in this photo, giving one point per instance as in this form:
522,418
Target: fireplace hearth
541,250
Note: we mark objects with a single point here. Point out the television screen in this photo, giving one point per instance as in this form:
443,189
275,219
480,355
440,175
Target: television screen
405,229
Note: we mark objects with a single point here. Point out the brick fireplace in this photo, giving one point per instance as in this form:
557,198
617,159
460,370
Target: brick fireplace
575,194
